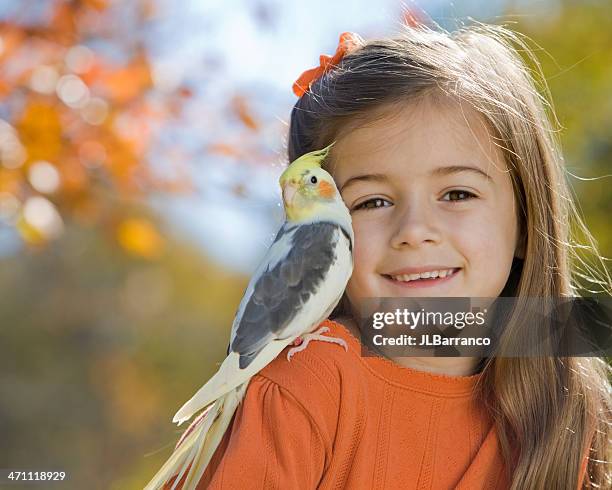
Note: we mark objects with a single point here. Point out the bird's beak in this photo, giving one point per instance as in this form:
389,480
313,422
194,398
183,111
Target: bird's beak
289,189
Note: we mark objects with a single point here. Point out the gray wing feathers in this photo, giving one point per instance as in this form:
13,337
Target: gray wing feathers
277,252
281,290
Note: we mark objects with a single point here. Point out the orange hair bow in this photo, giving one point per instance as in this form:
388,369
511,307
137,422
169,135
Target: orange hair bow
348,41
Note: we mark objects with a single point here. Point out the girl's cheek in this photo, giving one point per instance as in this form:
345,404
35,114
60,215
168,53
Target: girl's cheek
366,223
474,236
362,253
468,228
368,239
367,251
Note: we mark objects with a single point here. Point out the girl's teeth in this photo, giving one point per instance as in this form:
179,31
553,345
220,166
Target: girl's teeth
423,275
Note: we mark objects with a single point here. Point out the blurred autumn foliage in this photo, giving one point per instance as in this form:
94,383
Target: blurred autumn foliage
108,319
99,288
83,125
76,123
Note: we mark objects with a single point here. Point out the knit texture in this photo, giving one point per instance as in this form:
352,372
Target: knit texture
332,419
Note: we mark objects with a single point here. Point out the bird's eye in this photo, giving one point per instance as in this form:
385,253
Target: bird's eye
313,179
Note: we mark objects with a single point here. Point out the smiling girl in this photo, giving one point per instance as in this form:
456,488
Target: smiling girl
446,159
434,208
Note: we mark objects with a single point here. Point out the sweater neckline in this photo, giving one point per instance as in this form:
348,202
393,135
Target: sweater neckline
414,379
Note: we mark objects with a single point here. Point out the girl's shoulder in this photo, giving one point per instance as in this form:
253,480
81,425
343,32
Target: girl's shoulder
322,374
327,363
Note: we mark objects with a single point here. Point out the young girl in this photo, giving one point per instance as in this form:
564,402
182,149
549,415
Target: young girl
449,166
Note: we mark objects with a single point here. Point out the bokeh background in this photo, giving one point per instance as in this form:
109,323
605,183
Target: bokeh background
140,145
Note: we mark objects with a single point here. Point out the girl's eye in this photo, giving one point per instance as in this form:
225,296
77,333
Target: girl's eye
372,204
458,195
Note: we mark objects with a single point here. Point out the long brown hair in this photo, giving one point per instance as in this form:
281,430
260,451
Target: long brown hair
549,411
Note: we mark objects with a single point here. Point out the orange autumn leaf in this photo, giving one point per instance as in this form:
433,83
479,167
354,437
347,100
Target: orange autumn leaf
224,149
64,23
139,236
40,131
98,5
125,84
243,111
5,89
74,178
11,180
178,185
12,38
94,73
185,92
122,164
148,9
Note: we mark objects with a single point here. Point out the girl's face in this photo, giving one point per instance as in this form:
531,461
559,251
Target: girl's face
427,191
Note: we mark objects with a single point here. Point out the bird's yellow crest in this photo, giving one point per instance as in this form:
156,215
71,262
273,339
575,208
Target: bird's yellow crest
306,161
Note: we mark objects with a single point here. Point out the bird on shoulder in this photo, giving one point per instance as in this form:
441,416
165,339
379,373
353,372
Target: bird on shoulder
297,285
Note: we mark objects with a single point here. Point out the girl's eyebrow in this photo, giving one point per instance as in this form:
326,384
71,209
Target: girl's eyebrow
365,178
439,171
452,169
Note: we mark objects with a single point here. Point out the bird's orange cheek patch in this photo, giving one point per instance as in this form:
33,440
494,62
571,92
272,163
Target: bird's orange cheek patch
325,189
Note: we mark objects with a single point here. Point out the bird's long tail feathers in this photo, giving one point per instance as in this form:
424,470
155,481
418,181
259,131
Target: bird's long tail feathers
196,449
228,377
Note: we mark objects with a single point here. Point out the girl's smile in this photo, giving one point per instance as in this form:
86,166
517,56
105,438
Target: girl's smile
427,277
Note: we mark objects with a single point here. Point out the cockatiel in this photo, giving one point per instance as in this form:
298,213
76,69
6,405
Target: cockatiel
299,282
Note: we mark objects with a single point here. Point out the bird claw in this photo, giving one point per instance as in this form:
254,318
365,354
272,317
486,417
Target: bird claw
316,335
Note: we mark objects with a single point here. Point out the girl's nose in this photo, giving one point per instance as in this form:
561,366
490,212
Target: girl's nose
414,227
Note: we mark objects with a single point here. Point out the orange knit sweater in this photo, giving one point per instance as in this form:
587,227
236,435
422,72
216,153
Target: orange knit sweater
332,419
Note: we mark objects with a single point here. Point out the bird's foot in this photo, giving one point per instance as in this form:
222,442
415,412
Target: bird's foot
316,335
